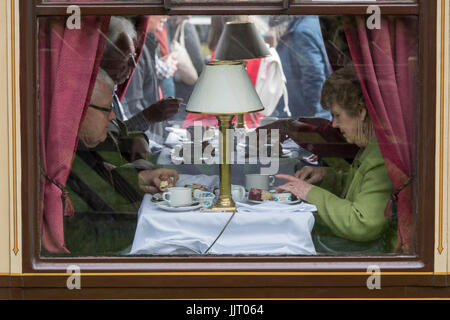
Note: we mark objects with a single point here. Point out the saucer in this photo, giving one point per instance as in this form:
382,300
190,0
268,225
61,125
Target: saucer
165,206
282,202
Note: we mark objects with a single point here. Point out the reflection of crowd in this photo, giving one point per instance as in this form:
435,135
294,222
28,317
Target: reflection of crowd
296,41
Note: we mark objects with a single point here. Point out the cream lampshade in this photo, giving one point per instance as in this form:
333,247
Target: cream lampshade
224,87
241,41
225,90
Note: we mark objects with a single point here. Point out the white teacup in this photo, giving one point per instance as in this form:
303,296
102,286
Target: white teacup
259,181
178,197
237,193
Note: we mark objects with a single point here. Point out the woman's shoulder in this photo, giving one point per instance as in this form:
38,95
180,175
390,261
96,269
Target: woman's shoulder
372,156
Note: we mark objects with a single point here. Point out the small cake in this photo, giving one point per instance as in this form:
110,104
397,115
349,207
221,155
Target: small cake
255,194
266,196
260,195
165,185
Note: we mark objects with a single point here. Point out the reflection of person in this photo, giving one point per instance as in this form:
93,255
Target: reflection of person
143,90
306,66
119,61
218,24
95,185
166,58
350,205
193,48
316,135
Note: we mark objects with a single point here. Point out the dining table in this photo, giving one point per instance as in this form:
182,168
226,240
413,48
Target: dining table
265,228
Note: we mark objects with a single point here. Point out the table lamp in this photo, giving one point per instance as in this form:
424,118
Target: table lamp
240,40
225,90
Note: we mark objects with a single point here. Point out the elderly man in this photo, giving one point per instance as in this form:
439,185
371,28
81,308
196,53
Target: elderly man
96,185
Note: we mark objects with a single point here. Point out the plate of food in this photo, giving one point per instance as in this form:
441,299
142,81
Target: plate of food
261,196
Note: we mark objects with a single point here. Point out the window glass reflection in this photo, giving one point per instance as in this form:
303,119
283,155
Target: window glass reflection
335,141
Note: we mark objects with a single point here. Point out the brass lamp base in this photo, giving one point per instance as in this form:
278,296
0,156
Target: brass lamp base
225,202
220,209
240,121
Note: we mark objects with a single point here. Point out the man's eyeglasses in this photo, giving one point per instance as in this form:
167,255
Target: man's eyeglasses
106,110
131,59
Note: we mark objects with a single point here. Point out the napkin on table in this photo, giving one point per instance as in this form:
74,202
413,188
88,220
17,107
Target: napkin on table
271,206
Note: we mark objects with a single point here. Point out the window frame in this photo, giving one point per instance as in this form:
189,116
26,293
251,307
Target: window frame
226,272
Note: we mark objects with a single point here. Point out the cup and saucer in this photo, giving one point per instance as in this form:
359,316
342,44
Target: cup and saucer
178,200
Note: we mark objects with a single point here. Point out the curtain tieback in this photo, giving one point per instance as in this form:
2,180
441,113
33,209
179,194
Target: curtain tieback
394,199
68,209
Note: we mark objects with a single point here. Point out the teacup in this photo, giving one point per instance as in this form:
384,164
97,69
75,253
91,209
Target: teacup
259,181
178,197
237,193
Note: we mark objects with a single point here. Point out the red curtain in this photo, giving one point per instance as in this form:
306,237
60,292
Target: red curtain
386,63
68,66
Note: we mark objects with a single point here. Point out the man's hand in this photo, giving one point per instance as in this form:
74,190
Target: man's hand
162,110
150,180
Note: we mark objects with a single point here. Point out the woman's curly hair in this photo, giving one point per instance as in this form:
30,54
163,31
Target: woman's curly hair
343,87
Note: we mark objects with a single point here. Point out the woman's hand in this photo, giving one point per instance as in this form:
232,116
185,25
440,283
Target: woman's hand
297,187
150,180
311,174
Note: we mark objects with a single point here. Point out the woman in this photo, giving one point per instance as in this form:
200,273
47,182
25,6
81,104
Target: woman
351,204
193,48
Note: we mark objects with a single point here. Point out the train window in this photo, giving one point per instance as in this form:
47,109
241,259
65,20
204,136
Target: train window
339,175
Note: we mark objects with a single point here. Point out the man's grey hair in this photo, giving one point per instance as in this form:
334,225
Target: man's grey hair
103,77
119,25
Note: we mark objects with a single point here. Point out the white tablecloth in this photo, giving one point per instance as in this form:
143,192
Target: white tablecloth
263,229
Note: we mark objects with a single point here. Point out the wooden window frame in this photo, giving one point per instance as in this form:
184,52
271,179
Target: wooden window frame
259,273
